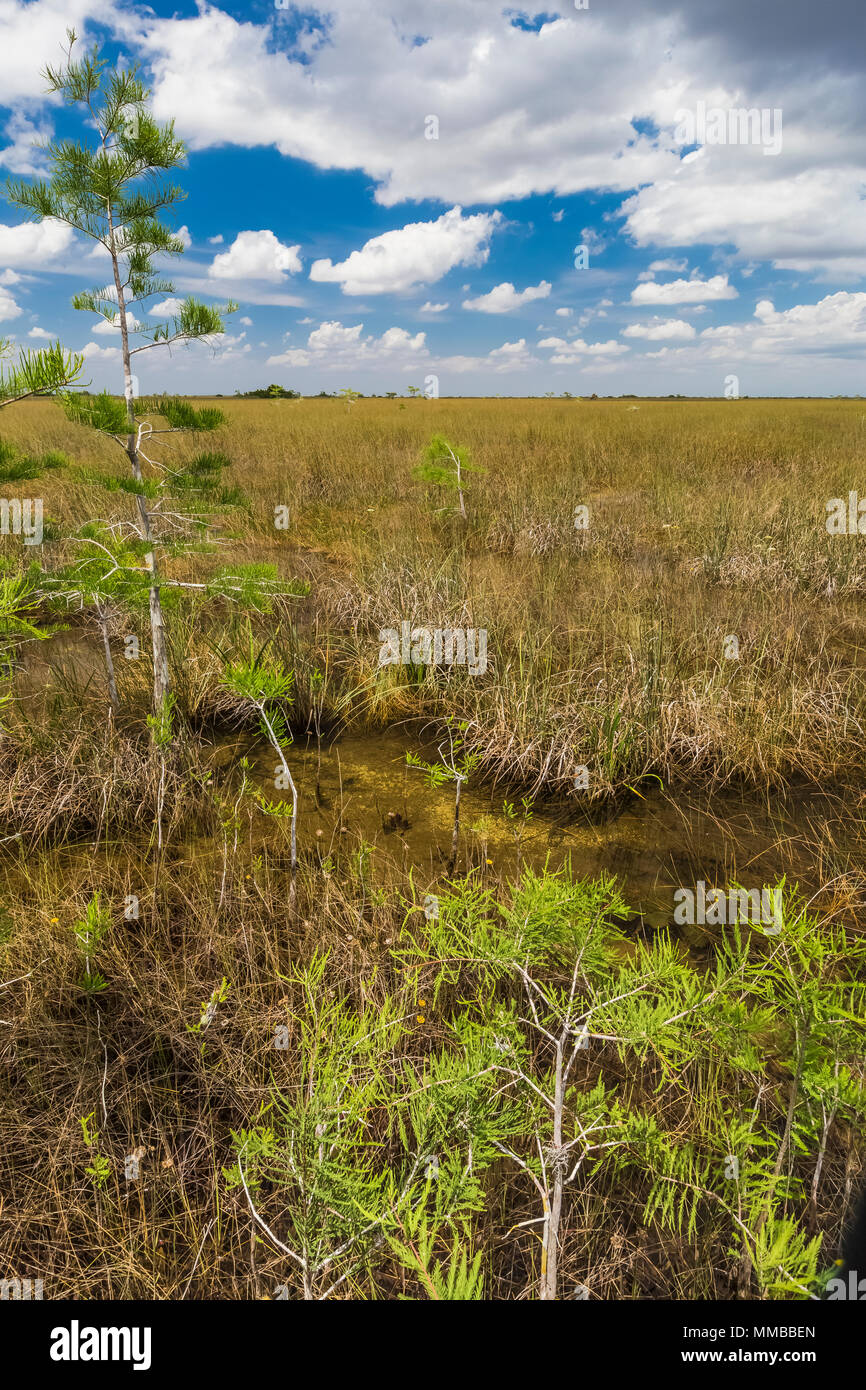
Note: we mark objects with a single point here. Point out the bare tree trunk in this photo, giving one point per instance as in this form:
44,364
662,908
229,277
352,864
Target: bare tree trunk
157,626
551,1230
459,484
294,790
160,651
816,1176
456,831
109,659
318,756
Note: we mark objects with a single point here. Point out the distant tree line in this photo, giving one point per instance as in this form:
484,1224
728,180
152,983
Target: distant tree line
272,392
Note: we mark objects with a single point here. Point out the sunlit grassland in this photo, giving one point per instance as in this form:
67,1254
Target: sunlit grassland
606,646
607,650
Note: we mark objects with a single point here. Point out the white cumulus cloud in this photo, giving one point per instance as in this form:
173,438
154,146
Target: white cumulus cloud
834,325
166,308
256,256
658,329
504,298
108,327
418,254
8,307
21,157
94,352
34,245
683,291
569,354
334,344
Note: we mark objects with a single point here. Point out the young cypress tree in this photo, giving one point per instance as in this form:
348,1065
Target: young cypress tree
113,191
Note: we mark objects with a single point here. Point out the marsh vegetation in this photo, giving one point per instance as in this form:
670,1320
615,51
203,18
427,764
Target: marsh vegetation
412,1054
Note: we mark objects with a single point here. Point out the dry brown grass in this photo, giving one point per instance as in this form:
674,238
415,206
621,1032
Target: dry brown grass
605,649
707,519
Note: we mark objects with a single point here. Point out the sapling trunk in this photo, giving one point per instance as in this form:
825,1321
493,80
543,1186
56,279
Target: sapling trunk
318,756
816,1176
109,659
157,626
275,743
460,493
547,1291
456,831
456,458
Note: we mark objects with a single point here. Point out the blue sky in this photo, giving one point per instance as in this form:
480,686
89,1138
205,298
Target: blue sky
365,253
